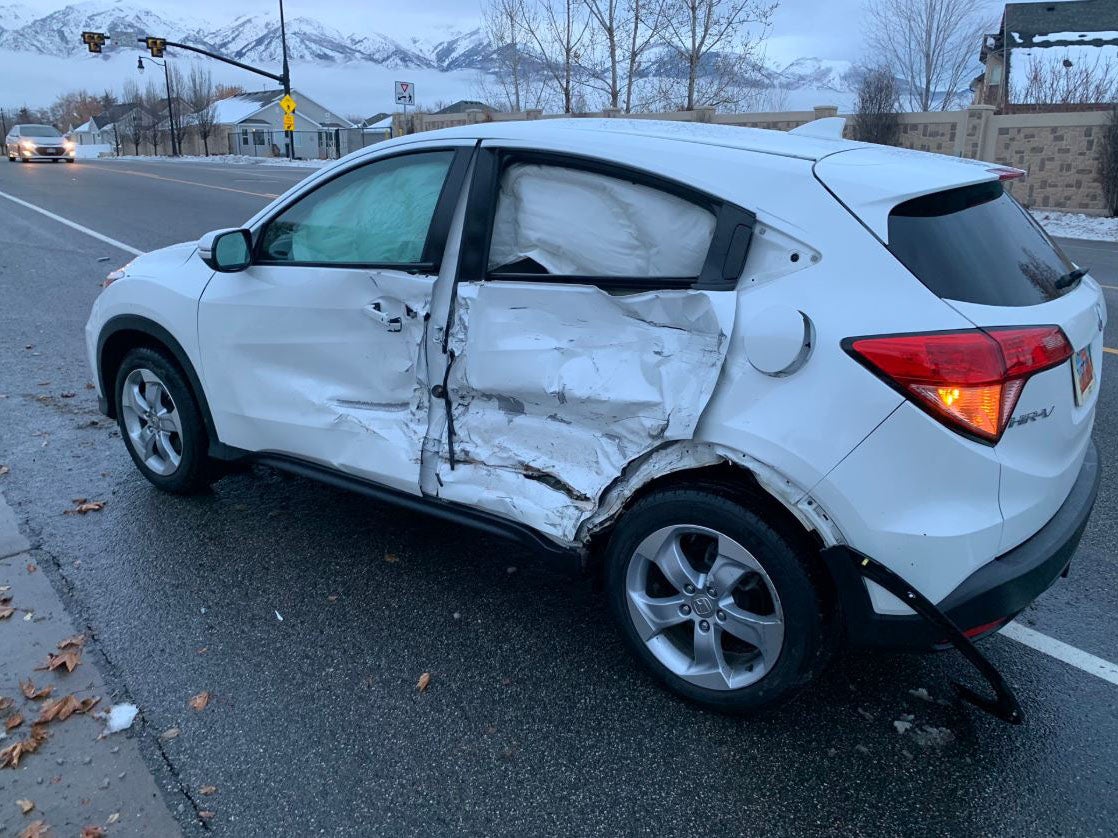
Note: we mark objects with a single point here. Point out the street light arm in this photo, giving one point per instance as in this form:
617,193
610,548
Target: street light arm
216,57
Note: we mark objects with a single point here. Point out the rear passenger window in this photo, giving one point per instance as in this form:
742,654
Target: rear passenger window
554,220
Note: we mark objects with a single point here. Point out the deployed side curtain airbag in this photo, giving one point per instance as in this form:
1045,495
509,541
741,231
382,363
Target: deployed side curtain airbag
578,223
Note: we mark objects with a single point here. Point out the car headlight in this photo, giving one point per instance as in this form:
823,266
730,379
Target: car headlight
69,145
119,273
27,143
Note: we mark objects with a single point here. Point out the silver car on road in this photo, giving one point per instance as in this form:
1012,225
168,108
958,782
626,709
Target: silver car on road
38,142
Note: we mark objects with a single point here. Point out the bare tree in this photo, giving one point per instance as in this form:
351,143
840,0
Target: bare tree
154,103
200,96
558,35
503,22
1056,79
131,124
179,93
624,30
875,117
716,42
930,45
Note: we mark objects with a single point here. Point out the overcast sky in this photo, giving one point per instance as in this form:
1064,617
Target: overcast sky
802,28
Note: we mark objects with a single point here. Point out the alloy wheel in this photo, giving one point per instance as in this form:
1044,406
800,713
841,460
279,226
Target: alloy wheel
152,421
705,607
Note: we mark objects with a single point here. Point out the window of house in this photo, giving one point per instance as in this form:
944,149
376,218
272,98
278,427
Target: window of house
377,214
565,221
244,136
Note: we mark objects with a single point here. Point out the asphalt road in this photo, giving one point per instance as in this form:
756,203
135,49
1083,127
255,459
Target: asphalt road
536,720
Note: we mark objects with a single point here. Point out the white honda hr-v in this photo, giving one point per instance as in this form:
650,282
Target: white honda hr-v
785,391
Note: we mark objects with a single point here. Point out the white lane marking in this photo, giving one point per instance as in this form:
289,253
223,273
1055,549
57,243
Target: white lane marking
127,248
1062,651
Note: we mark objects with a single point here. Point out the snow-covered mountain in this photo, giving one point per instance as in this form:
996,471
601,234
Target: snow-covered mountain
445,61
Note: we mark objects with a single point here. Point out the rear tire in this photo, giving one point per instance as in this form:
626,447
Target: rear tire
161,423
718,603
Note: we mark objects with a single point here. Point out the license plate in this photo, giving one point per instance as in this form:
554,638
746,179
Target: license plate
1083,374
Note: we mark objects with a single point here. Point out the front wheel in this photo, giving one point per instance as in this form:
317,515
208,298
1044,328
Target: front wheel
715,601
161,423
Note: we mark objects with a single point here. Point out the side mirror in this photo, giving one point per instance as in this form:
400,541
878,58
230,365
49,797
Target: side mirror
226,251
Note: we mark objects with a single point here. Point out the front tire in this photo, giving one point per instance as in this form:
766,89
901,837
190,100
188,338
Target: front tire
716,602
161,423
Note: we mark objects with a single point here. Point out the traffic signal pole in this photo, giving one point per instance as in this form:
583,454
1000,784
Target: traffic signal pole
288,136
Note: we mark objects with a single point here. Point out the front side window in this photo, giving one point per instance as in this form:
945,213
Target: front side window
377,214
565,221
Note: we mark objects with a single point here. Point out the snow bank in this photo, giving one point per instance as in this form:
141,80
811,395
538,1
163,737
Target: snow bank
1072,225
238,159
83,152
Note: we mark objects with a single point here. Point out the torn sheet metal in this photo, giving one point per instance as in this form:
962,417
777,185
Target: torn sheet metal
623,229
556,389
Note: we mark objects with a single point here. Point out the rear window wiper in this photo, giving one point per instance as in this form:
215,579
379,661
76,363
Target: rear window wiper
1070,278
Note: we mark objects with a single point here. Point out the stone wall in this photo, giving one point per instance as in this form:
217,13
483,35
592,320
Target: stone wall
1057,150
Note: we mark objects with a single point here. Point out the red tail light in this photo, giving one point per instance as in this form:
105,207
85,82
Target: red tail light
969,380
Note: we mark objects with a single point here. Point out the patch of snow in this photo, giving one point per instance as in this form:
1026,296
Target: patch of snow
234,109
1073,225
85,152
237,159
1109,35
902,726
920,693
120,717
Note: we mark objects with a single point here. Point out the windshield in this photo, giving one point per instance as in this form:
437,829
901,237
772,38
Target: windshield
976,244
39,131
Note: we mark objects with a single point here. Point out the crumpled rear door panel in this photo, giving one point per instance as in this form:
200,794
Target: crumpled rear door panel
556,387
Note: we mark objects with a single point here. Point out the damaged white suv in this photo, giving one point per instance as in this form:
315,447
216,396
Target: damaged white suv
788,391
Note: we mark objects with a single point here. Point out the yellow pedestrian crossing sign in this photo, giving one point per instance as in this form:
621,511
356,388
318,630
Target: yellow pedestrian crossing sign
288,104
288,122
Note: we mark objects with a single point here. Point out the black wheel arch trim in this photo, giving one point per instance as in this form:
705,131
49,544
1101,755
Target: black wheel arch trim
148,327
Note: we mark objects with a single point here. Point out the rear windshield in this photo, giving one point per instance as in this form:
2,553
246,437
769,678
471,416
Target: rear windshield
38,131
976,244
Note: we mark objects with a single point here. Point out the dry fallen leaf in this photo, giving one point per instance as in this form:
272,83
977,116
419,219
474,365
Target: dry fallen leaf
332,598
424,682
205,815
25,806
14,721
32,692
69,659
4,470
391,558
6,612
169,733
200,701
68,394
76,641
82,506
36,829
10,756
62,708
5,703
31,568
92,832
207,790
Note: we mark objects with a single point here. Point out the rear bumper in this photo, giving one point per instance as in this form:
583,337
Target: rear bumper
990,596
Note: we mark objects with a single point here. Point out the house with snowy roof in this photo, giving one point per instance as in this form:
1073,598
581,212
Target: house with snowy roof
253,125
1062,53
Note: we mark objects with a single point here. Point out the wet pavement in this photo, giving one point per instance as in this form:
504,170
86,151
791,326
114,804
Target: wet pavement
309,614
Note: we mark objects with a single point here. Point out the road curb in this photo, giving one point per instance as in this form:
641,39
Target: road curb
75,778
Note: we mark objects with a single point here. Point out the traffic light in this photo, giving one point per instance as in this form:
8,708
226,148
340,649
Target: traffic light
157,46
94,40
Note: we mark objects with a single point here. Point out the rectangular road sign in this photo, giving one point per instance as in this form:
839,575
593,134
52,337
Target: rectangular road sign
288,122
405,93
